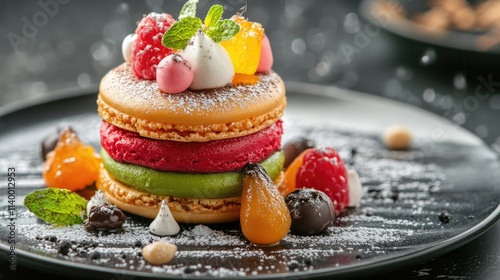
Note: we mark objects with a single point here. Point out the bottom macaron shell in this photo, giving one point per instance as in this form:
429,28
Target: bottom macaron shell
184,210
187,185
191,157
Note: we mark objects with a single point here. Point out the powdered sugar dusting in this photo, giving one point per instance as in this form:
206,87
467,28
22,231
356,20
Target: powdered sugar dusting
220,100
403,194
202,242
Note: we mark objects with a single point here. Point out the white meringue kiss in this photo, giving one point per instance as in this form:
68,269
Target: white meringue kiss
164,224
211,63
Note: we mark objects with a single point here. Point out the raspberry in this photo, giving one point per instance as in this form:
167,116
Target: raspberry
148,50
324,170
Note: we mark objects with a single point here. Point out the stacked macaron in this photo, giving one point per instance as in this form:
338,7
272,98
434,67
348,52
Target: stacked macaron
186,147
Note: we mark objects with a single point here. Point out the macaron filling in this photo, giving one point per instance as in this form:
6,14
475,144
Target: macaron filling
188,185
191,157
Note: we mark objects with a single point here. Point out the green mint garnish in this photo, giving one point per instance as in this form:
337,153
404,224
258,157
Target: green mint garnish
213,15
179,34
189,9
59,207
219,29
223,30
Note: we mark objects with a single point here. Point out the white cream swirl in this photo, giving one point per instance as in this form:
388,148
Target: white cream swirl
211,63
97,199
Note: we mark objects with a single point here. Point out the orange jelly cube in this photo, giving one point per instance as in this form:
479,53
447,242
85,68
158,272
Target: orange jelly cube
72,164
245,47
244,80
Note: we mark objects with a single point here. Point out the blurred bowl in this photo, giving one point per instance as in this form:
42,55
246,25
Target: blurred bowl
454,24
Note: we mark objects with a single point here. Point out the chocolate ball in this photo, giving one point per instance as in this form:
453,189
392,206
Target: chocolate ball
311,211
104,217
294,147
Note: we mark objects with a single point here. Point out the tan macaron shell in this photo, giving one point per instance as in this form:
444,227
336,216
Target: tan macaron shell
138,105
184,210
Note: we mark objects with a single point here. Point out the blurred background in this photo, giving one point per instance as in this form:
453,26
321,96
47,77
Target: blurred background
53,45
439,55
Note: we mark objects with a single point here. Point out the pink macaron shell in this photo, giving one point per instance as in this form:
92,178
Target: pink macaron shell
174,74
266,56
190,157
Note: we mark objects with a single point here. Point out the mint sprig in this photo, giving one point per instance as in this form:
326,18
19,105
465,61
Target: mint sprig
59,207
213,15
179,34
189,9
223,30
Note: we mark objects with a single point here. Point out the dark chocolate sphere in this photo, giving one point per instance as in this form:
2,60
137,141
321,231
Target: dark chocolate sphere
294,147
311,211
104,217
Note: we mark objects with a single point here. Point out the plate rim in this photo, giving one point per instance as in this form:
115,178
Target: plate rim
53,96
376,266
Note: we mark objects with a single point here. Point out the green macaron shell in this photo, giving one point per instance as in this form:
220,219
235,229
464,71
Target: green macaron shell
188,185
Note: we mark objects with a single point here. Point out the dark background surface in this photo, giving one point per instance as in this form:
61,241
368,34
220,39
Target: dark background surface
313,41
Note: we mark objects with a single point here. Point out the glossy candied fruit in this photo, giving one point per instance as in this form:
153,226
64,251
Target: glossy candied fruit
72,164
49,143
245,48
289,184
264,217
244,80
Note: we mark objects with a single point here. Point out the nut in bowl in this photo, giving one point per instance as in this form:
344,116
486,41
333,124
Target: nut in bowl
456,24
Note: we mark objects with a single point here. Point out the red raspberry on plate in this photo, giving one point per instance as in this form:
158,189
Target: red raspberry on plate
148,50
324,170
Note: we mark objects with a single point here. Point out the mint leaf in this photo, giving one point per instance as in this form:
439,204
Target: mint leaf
213,15
178,35
59,207
189,9
223,30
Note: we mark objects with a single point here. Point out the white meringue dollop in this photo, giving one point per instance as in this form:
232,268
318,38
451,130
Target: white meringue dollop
127,44
211,63
164,224
355,188
97,199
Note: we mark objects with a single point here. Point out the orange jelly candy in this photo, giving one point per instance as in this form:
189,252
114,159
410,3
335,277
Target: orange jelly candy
289,185
72,164
244,79
245,47
264,216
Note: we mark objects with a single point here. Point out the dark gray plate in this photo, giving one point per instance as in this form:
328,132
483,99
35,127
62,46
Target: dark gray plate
448,170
